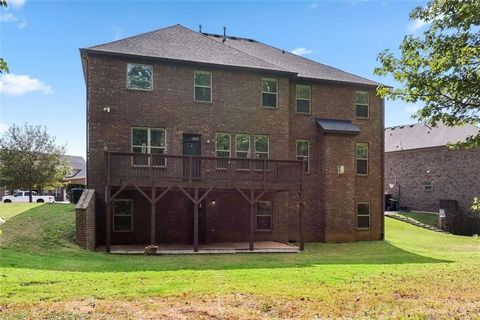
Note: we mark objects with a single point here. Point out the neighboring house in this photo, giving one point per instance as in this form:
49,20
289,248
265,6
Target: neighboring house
420,169
76,176
196,138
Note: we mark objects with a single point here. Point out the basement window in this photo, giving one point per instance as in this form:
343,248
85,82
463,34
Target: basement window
263,216
363,215
122,215
139,76
362,105
428,185
269,93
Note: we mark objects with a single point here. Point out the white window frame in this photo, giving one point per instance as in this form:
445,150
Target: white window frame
364,215
149,147
309,99
217,150
302,157
249,151
264,215
201,86
122,215
126,72
255,146
428,185
266,92
367,159
362,104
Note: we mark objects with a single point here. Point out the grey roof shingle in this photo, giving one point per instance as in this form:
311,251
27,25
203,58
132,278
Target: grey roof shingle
421,135
78,165
182,44
337,126
305,68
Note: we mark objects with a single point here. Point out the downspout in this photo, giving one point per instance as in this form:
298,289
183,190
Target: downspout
382,147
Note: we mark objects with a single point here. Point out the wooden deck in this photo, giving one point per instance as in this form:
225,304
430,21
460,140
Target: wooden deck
211,248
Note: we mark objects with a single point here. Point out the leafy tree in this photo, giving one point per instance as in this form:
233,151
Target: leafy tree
3,63
30,158
440,68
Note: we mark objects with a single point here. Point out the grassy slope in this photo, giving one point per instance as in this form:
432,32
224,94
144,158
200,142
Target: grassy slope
430,219
439,272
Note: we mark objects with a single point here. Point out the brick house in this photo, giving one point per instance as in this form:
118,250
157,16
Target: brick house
420,170
201,138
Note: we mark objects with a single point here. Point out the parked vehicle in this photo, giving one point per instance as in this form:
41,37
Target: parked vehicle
23,196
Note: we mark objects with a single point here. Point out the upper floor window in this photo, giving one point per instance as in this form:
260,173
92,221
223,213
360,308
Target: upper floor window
222,149
263,216
363,215
362,158
122,215
203,86
362,105
303,97
148,140
139,76
269,93
303,153
428,185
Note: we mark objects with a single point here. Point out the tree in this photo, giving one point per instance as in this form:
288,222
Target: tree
29,158
441,68
3,63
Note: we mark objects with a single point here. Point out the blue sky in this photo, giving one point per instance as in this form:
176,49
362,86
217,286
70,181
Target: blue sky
40,41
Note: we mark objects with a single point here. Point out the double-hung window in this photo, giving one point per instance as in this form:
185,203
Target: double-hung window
362,158
222,149
122,215
303,97
203,86
363,215
261,149
149,141
362,105
242,150
303,153
269,93
263,216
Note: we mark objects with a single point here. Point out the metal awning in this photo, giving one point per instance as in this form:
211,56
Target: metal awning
337,126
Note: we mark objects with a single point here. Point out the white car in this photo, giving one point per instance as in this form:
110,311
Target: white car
23,196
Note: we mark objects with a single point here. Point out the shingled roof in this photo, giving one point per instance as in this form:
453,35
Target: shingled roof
182,44
421,135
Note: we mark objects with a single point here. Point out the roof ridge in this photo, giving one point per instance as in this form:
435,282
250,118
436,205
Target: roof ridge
137,35
243,52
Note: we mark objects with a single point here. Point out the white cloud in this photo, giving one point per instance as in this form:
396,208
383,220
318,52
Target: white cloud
16,3
7,17
22,24
313,5
3,128
412,109
17,85
416,25
301,51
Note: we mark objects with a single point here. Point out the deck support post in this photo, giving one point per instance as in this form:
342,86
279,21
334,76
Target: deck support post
195,220
152,216
300,221
252,219
108,219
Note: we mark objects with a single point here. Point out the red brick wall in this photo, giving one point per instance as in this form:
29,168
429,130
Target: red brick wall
454,176
236,108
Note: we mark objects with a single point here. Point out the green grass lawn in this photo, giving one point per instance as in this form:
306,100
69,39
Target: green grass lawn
427,218
415,273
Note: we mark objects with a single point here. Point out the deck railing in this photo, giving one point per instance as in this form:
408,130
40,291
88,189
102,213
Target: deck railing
157,167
